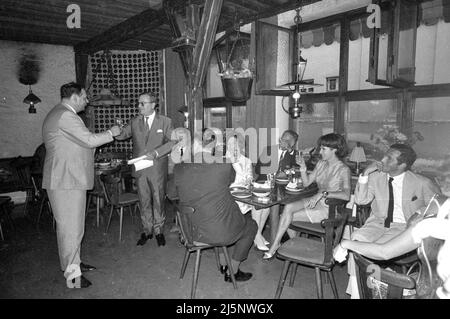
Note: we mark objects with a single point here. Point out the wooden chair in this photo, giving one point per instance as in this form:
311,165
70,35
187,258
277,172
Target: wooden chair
184,215
5,210
375,282
316,229
112,187
313,253
22,174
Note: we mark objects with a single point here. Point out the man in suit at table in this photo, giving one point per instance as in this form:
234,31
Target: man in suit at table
394,193
217,219
285,153
151,135
68,172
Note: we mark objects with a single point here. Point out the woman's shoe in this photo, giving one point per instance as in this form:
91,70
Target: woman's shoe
268,255
260,247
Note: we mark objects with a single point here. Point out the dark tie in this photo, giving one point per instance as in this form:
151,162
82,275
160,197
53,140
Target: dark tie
145,118
390,214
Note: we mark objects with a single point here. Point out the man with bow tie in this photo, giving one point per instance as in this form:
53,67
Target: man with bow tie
151,135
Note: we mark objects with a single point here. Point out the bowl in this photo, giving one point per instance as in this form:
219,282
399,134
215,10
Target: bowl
261,192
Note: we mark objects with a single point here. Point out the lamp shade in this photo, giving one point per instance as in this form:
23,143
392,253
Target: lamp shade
358,154
31,98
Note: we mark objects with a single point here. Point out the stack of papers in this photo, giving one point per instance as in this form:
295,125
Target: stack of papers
140,162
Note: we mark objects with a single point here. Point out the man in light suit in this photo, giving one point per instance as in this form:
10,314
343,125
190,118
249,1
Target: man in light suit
411,192
68,173
151,135
395,194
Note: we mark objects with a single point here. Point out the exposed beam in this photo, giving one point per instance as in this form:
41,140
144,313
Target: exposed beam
130,28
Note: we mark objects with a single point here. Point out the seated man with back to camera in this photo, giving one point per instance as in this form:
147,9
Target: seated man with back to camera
217,219
395,193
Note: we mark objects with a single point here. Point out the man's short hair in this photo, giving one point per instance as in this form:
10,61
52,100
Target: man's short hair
152,95
407,154
293,134
336,141
68,89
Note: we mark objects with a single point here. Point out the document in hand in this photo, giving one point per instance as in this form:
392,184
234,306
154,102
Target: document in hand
140,162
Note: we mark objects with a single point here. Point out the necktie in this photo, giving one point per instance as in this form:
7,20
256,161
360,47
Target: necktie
390,214
146,122
280,162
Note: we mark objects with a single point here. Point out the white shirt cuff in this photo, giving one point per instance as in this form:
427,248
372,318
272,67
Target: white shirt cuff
109,131
363,179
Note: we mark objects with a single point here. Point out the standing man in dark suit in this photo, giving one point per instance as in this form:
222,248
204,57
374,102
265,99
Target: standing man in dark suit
217,218
68,172
151,134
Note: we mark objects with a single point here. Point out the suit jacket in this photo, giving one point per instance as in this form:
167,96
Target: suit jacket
157,138
417,192
205,187
268,161
70,147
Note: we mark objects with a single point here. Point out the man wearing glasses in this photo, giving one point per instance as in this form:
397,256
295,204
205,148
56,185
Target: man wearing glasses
151,135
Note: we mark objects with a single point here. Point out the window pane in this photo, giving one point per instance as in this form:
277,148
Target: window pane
366,122
432,122
238,116
323,58
215,117
315,121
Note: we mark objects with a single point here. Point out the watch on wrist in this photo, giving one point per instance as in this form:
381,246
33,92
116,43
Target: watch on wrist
324,194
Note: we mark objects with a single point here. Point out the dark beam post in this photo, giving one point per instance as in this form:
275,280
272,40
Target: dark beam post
81,65
340,107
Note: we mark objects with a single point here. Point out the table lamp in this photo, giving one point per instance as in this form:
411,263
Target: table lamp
358,156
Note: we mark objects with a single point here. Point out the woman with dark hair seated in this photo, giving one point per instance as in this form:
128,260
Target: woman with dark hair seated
333,179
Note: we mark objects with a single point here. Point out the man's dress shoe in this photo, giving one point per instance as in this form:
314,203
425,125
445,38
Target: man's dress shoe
86,267
160,239
84,283
223,269
239,276
143,239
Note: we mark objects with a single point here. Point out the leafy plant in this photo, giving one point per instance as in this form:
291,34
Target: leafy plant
388,134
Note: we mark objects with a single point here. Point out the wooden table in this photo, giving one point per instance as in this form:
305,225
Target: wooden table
278,196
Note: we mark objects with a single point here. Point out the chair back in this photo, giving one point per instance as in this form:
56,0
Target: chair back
375,282
184,215
334,229
111,186
22,173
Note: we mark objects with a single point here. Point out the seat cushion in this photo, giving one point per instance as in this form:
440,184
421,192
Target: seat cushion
128,198
301,249
307,226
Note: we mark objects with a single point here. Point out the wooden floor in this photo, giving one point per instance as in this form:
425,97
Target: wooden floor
29,267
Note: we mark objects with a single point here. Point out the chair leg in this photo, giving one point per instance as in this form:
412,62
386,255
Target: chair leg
41,208
283,276
319,284
187,254
195,275
230,267
88,201
120,224
1,231
293,273
98,211
216,252
333,283
109,219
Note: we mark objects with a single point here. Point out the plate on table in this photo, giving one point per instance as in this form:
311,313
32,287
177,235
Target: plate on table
294,190
238,188
241,194
261,192
281,180
103,165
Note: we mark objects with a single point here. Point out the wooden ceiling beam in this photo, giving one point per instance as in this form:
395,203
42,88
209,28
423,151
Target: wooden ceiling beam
129,29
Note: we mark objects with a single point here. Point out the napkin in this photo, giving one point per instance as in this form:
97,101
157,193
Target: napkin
340,254
291,185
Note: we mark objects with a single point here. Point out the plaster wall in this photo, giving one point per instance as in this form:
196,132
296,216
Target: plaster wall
20,131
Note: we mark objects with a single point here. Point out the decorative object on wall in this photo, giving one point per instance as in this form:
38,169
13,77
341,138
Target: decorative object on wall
332,84
31,99
28,74
358,156
116,83
298,84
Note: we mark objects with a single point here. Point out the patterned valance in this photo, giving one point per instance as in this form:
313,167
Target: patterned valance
430,13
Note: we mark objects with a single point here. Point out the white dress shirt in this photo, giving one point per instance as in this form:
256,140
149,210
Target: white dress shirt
150,119
397,187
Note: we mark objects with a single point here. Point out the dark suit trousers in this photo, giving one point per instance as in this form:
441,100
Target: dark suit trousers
245,239
151,187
